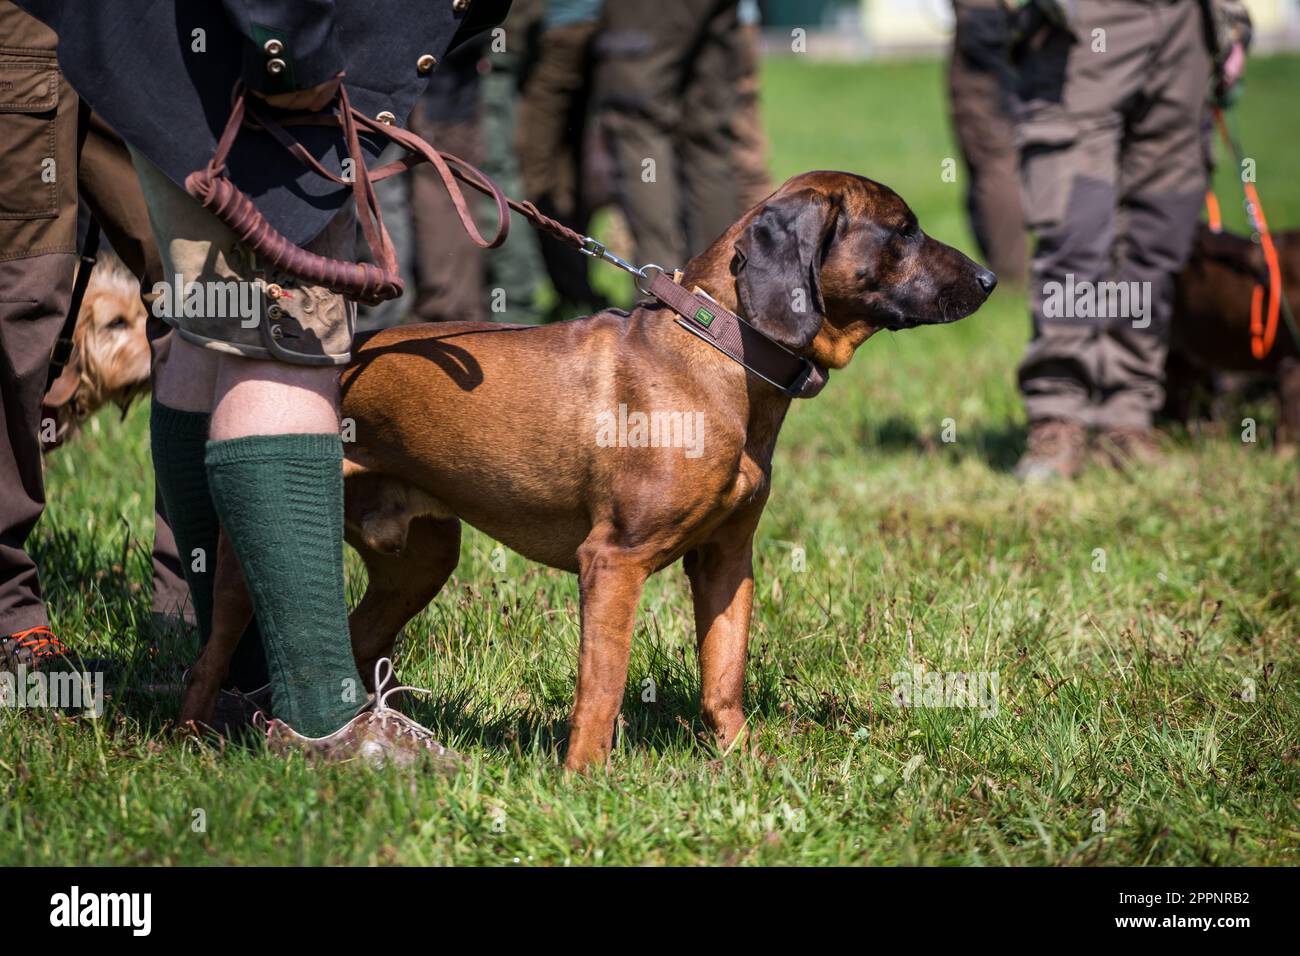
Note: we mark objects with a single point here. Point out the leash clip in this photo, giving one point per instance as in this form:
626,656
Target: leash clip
593,247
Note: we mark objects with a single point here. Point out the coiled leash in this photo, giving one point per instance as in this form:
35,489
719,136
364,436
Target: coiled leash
372,283
1263,331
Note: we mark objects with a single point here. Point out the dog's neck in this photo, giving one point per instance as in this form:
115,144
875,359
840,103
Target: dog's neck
761,405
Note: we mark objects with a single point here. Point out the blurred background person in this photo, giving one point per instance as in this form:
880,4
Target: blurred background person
556,143
753,180
980,87
667,76
514,269
1109,118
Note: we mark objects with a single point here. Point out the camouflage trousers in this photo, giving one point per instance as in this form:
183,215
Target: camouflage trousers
1108,127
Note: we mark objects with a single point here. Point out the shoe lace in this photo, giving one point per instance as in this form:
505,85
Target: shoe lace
39,641
384,714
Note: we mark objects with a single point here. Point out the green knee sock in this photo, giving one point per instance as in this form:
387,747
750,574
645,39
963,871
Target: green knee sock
280,498
179,440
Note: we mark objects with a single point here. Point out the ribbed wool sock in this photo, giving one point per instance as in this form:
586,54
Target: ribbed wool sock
179,440
280,499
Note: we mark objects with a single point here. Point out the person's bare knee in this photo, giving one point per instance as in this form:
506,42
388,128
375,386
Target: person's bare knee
273,398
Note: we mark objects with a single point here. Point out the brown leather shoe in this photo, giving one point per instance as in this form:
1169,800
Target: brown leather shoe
1123,448
379,735
1057,449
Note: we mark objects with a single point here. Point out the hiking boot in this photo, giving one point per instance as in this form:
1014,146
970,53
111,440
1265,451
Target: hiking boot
33,648
378,735
1056,450
80,685
1124,448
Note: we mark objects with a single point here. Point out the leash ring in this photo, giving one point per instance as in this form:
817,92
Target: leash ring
643,273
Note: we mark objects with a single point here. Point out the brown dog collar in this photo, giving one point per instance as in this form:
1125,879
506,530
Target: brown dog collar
731,335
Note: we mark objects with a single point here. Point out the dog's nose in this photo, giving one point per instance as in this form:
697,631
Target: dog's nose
988,280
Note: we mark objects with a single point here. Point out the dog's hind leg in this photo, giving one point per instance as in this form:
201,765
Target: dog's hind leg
401,584
232,610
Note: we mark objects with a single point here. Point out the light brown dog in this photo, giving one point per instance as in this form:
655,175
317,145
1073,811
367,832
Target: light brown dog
110,351
519,431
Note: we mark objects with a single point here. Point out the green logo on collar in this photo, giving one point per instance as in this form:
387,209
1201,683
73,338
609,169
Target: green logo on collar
704,317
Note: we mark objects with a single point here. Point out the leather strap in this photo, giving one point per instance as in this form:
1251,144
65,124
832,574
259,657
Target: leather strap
63,379
366,282
793,374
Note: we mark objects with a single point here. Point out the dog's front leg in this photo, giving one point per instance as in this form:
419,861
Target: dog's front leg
722,588
610,582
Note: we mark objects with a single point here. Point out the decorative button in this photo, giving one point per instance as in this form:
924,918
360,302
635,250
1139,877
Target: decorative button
387,118
460,6
273,47
274,291
275,67
426,63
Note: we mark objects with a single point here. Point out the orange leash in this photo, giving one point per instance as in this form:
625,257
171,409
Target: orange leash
1212,211
1263,330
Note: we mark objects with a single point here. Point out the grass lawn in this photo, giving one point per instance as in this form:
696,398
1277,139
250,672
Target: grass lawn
1148,712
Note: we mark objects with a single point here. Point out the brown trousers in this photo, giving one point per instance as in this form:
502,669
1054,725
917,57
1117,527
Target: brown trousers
979,96
552,139
49,158
1109,132
668,81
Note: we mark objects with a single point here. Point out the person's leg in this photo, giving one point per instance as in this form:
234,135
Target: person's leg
549,140
275,468
978,96
450,269
1069,131
107,181
514,270
640,69
753,181
1162,188
38,237
706,139
271,448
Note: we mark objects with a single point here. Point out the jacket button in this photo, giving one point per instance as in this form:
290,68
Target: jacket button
426,63
273,47
387,118
460,6
275,67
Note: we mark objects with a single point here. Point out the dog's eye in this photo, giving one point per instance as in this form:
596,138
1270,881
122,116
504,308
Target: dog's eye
118,322
908,231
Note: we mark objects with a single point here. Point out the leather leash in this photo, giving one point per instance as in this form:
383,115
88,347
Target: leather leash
371,283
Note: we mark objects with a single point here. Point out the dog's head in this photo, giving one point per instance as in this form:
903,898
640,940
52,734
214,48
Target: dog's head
831,258
110,349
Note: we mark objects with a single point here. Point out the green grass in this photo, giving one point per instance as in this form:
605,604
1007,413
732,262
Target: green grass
1126,695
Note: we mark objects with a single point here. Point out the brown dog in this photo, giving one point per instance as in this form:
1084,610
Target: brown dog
110,351
520,431
1210,333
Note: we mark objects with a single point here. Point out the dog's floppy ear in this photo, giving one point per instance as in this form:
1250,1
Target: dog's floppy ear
778,266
